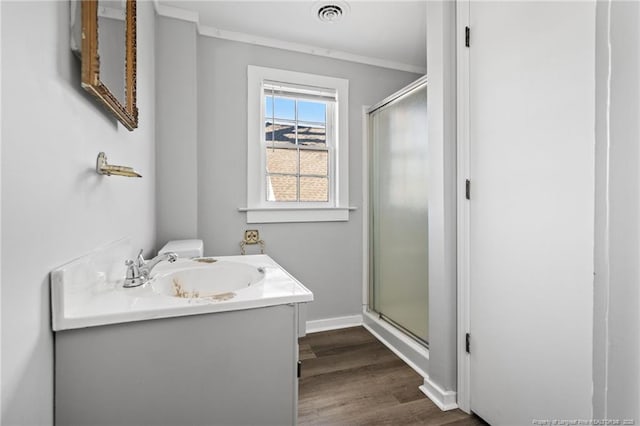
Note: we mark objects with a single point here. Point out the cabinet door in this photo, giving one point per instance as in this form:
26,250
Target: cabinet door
229,368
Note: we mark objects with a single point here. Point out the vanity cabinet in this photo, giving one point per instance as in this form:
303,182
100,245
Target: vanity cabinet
224,368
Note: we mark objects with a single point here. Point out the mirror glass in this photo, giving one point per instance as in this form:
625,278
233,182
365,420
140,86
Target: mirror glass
112,33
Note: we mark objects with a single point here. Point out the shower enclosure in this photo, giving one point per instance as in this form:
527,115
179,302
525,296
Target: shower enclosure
398,205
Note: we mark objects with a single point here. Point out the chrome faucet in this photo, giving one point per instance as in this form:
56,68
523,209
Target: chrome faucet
139,271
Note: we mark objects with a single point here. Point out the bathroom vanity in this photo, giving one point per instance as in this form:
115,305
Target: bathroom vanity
146,357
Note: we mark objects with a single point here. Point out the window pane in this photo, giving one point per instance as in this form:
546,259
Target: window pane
282,188
312,111
284,133
311,134
314,189
282,161
268,132
268,107
285,108
313,162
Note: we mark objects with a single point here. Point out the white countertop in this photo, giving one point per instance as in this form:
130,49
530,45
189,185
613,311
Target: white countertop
86,294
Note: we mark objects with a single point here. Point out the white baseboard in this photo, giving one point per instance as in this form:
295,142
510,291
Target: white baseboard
445,400
333,323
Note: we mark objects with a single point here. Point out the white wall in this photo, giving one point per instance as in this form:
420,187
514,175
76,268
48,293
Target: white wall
617,296
326,257
54,206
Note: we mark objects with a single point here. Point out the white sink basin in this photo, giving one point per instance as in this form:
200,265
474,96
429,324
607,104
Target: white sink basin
89,291
216,281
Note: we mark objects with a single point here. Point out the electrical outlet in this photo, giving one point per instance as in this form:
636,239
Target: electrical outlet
251,236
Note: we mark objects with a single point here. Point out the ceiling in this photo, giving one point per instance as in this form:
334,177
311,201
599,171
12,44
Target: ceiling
392,31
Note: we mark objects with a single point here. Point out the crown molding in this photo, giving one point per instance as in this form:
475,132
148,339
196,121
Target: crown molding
176,13
208,31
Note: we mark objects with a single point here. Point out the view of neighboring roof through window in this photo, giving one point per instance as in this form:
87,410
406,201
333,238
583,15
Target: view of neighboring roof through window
298,127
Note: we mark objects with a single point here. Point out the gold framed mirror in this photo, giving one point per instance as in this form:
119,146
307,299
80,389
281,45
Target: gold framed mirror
108,56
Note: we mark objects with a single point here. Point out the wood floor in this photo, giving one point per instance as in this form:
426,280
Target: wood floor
350,378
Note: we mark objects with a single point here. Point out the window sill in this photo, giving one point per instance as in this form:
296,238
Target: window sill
291,215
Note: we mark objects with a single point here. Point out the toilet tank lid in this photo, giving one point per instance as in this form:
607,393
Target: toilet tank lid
184,248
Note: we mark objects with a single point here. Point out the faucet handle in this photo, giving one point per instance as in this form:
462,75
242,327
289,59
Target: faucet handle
133,271
140,259
133,277
130,265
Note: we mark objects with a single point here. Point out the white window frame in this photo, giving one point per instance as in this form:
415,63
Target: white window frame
259,210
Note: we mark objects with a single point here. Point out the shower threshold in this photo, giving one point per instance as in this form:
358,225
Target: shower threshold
412,351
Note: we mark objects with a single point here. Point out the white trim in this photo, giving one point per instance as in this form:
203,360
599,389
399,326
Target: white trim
445,400
463,288
297,215
335,323
176,13
365,207
350,208
208,31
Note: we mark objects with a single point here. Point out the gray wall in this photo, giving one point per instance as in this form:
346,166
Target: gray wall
54,206
325,257
441,113
177,130
617,295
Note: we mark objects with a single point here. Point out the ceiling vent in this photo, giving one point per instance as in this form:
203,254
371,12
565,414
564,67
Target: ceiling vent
331,12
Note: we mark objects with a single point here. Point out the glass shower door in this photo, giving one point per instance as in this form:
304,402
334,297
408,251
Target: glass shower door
399,201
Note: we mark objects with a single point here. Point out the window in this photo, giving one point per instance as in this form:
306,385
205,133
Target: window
297,147
298,133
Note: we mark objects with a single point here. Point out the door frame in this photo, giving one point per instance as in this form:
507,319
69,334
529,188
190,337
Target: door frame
463,207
